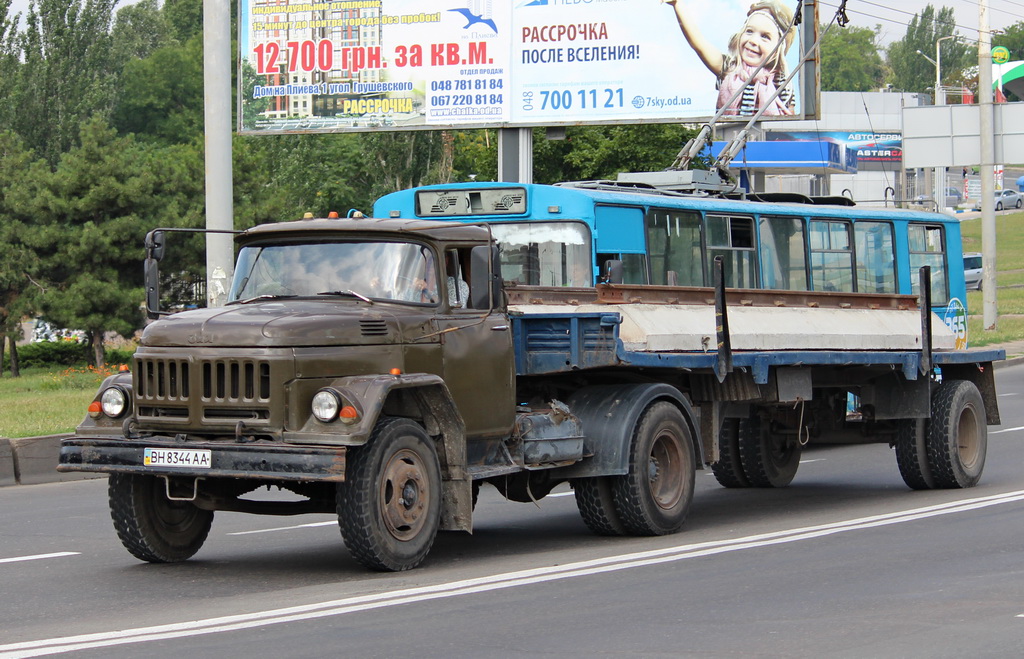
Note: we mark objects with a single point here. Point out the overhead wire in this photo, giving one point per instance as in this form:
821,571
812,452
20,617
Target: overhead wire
894,21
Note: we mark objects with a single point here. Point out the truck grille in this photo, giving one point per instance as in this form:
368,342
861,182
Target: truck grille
206,391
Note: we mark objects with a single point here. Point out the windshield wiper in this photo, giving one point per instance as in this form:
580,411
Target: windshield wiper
260,298
348,293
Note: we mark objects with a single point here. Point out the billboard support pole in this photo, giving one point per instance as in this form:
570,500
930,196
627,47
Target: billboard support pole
217,118
515,155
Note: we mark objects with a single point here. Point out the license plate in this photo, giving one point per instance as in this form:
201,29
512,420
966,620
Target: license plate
176,457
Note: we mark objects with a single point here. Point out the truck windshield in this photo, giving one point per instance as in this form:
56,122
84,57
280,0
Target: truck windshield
379,270
545,253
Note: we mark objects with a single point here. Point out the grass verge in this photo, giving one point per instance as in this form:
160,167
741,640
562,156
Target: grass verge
42,402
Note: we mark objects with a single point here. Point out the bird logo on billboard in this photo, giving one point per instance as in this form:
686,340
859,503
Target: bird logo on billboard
474,19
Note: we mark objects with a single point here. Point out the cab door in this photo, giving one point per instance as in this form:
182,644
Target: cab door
477,358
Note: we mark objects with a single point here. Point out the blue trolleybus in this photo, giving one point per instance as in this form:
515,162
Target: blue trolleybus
563,235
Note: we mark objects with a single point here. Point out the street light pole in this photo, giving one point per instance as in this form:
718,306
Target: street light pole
939,174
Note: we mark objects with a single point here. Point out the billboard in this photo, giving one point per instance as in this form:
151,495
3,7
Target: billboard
874,151
350,65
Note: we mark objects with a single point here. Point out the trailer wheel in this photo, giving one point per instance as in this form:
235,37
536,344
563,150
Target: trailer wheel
152,527
728,470
655,494
768,460
958,435
390,503
912,454
597,508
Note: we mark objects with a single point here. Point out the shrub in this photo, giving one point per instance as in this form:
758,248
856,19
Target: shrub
53,354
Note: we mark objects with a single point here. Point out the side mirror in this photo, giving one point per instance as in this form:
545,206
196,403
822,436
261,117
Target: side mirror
151,275
613,272
151,272
155,245
486,285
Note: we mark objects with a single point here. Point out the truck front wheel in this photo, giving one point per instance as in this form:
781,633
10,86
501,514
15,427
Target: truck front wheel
152,527
389,506
655,495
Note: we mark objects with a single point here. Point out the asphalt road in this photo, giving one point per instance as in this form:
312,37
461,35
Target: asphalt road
846,562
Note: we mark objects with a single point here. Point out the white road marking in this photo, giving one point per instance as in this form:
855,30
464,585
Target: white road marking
284,528
483,584
59,554
803,462
996,432
1012,393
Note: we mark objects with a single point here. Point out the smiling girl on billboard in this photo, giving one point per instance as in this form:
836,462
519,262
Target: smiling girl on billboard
768,22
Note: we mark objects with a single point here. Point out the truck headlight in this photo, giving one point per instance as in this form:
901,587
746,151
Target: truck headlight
326,404
114,402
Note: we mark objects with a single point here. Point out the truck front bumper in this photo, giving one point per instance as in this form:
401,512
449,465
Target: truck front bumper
261,460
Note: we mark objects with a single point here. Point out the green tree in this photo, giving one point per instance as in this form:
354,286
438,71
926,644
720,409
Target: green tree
601,152
92,215
159,105
18,263
67,73
909,70
185,18
139,29
850,61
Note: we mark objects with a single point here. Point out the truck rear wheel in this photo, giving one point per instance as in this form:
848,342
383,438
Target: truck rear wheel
768,460
152,527
728,470
912,454
654,496
957,435
594,501
389,507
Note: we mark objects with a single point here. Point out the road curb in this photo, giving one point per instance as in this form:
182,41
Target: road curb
33,460
7,474
1009,361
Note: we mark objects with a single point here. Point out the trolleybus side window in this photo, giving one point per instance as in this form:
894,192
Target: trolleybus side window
876,260
783,258
674,247
928,248
732,238
831,256
545,253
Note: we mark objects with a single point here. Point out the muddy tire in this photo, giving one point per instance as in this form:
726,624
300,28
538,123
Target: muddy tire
654,496
768,460
389,506
152,527
957,435
728,470
912,453
594,501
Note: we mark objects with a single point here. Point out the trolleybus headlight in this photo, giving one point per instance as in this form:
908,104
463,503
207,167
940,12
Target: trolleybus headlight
326,404
114,402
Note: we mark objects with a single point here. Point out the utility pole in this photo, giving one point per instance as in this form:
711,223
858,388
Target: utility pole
988,187
219,181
